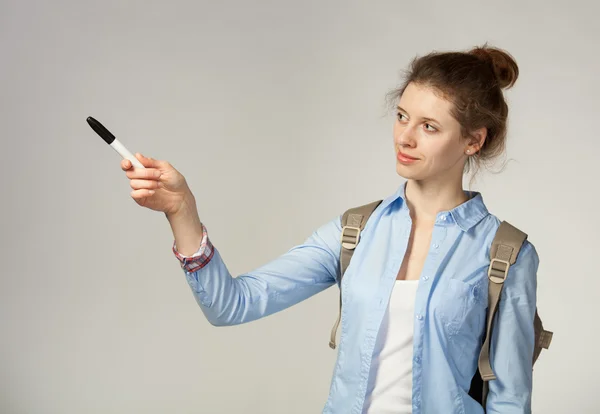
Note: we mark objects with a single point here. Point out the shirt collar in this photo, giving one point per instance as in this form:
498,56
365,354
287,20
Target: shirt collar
465,215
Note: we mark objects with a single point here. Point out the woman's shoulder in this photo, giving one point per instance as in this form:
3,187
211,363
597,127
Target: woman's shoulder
488,229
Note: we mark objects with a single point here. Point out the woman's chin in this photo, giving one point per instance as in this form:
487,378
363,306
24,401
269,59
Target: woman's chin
406,172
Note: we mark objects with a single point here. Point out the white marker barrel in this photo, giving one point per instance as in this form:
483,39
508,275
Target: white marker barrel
124,152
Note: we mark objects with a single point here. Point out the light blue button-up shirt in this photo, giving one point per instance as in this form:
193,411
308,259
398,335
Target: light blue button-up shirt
450,305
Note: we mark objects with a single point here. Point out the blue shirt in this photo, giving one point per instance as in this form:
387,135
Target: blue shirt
450,304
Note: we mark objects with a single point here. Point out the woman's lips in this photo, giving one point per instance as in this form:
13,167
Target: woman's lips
406,159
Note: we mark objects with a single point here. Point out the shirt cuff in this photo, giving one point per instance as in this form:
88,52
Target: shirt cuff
199,259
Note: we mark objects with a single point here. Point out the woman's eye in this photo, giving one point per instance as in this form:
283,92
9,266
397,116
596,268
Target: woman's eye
432,128
399,116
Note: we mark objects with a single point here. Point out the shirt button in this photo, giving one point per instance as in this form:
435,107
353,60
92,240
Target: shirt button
435,246
420,317
418,360
442,218
425,277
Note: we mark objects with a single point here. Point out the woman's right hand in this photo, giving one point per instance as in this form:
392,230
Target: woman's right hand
159,186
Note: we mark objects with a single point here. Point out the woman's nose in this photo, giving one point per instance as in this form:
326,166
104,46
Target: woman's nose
406,138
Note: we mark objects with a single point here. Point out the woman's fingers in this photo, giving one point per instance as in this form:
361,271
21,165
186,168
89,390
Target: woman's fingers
141,195
143,173
144,184
147,161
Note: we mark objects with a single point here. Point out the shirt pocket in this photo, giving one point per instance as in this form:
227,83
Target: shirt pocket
461,309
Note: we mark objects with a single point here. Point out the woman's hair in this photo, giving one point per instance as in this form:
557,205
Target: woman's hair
473,82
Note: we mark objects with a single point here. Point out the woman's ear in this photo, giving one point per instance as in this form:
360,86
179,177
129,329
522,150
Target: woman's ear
475,142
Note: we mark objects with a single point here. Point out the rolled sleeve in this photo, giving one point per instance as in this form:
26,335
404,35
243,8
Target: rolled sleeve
199,259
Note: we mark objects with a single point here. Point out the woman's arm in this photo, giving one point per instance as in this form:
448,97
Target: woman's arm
304,270
513,338
301,272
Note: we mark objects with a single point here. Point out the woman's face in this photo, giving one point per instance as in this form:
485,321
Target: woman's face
425,130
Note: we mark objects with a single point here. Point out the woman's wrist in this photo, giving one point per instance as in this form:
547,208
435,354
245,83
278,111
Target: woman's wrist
186,226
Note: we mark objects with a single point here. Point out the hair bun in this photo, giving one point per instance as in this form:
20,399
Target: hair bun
502,63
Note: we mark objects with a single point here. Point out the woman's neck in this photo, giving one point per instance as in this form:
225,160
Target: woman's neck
425,199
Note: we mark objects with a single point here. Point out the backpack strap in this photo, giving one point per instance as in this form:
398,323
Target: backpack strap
353,222
504,251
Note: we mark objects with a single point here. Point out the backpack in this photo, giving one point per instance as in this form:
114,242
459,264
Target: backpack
503,253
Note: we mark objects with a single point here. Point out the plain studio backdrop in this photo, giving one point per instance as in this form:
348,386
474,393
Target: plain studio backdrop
274,112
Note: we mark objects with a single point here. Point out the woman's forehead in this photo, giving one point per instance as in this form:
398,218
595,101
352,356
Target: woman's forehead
424,101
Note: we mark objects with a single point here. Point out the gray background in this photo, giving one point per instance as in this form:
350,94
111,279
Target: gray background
274,112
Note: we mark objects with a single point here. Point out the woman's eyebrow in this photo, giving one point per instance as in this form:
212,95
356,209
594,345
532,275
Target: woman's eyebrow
424,118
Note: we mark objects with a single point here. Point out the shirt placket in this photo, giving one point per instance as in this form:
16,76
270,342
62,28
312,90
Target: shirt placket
428,273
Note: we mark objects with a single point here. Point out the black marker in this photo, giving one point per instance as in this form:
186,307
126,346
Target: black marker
111,140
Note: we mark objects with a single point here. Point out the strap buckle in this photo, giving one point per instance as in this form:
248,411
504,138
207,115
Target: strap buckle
350,241
498,274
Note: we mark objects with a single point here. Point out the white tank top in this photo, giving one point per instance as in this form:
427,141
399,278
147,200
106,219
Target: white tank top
389,389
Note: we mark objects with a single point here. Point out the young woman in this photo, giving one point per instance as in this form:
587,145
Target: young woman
415,293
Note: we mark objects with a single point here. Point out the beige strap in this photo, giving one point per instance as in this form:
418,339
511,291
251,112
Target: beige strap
353,222
337,323
504,251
